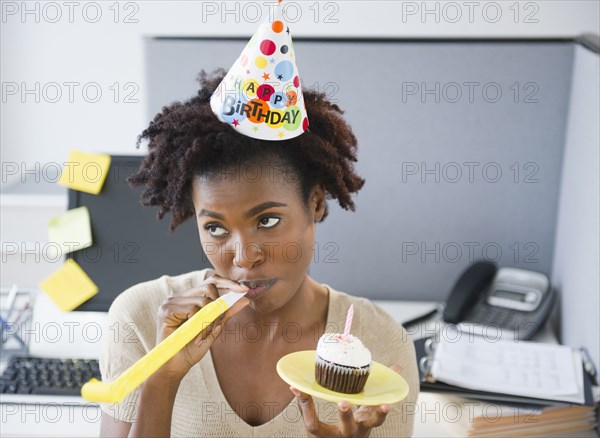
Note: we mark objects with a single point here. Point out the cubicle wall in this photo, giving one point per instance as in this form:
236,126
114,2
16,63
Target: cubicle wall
576,269
461,144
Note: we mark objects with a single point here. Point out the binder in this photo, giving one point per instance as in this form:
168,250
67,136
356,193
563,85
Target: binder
429,384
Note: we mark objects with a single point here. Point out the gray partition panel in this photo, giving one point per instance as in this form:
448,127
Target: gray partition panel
460,143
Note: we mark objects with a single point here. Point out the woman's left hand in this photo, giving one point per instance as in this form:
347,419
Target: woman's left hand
351,424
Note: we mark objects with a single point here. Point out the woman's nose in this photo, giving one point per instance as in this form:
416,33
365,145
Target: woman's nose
247,255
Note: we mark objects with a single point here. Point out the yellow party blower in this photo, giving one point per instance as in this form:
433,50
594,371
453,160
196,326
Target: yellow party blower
115,391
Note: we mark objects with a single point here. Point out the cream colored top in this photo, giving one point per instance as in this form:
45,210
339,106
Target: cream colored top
201,409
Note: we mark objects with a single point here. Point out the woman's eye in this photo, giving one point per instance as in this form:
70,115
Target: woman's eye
213,230
269,222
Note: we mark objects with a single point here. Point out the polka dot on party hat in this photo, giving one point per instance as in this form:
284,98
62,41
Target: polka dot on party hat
261,95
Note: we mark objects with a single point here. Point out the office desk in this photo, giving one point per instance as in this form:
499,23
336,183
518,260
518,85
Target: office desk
52,420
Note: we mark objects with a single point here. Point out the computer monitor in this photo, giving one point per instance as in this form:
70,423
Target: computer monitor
130,244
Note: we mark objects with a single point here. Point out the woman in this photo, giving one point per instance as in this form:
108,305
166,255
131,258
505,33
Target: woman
256,204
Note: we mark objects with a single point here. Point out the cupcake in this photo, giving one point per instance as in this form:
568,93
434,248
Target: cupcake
342,363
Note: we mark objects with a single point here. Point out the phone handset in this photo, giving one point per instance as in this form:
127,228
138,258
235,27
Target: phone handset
467,291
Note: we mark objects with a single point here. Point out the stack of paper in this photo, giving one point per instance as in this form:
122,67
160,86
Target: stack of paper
530,369
478,418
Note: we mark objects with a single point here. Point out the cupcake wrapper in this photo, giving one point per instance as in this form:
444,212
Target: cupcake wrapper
340,378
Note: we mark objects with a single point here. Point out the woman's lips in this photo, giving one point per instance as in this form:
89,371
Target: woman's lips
258,288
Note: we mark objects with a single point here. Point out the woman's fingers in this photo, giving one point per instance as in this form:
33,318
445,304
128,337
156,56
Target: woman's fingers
371,416
309,412
211,286
173,308
346,417
350,423
210,334
177,309
226,283
397,368
200,301
173,315
208,290
307,407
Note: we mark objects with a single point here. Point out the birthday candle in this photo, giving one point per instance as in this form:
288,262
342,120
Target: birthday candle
349,317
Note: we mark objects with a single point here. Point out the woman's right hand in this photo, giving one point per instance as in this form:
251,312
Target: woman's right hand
178,308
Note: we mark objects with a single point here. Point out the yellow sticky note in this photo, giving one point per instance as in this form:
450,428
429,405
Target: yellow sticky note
85,171
69,287
71,231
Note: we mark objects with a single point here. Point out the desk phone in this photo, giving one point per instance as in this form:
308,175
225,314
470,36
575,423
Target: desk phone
514,301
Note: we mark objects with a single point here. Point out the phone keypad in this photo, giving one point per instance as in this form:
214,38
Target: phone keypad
487,315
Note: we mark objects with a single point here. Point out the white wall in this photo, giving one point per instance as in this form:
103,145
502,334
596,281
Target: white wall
577,254
55,44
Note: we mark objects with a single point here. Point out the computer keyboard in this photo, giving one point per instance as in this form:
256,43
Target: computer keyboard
47,376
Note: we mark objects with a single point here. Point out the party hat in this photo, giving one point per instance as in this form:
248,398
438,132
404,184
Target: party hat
261,96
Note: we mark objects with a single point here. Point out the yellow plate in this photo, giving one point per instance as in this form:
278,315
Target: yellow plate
384,385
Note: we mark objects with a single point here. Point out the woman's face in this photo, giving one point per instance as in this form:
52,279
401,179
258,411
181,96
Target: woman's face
254,226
